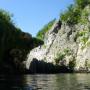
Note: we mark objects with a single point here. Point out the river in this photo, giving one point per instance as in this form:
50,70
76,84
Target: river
45,82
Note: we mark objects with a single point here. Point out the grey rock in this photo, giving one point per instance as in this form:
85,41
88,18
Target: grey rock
59,39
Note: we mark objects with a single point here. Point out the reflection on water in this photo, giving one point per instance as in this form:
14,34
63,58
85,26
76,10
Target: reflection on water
46,82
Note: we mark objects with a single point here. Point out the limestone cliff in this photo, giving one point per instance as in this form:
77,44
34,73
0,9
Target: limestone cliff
66,45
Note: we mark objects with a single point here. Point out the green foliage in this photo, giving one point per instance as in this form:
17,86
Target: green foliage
46,28
83,21
5,27
82,3
67,51
72,63
65,16
84,40
88,44
36,42
13,39
82,34
5,16
84,18
44,46
83,37
59,57
71,16
86,63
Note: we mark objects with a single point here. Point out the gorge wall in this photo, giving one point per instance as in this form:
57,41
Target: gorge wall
65,44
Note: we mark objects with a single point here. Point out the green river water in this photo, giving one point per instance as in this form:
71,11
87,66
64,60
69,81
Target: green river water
45,82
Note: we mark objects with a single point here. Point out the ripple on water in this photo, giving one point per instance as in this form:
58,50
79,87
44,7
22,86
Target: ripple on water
46,82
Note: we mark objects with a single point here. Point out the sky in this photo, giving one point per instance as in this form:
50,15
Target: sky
32,15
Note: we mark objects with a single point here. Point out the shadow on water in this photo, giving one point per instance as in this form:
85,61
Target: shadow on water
13,82
45,82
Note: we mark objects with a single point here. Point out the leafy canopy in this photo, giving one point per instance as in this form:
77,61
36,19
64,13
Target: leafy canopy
5,16
73,14
46,28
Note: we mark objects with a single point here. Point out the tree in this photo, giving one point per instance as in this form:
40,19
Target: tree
73,13
13,39
46,28
82,3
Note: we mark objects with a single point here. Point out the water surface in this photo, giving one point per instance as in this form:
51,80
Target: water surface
46,82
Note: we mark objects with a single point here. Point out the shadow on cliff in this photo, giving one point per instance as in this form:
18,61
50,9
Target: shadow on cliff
46,68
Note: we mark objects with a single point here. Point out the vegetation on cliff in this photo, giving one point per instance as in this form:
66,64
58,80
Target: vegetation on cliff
73,14
46,28
71,42
14,44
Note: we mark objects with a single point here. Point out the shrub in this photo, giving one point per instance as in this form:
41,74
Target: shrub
84,17
12,38
67,51
71,16
84,40
46,28
82,3
84,36
5,16
59,57
72,63
88,44
81,34
65,16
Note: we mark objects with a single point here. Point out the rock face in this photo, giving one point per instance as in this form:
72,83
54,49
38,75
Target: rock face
67,45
